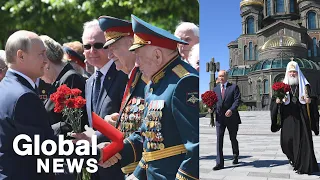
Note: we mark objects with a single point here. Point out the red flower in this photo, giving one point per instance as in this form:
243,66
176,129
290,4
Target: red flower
280,86
287,88
280,89
209,98
79,102
70,103
58,109
64,89
76,92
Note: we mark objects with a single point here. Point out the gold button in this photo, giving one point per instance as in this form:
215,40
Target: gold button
43,91
109,78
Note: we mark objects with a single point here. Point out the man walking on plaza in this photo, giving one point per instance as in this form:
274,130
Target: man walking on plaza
227,116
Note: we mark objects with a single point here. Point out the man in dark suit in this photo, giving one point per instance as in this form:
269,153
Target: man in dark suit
21,110
104,89
227,116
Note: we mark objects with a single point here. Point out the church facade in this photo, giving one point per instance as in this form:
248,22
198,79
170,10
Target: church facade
274,32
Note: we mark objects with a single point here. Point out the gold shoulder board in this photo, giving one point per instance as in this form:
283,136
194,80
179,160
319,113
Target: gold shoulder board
180,71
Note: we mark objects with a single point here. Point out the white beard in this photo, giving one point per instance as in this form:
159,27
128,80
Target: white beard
293,80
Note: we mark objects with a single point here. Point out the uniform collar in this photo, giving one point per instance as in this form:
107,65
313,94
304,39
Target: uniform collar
160,74
24,76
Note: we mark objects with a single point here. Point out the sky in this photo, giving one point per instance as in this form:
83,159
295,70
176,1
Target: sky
220,23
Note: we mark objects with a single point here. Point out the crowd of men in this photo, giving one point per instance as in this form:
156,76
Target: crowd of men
141,79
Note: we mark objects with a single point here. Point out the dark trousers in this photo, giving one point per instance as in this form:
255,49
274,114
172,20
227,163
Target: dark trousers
233,130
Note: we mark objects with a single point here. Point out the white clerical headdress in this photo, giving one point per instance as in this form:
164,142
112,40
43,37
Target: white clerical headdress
293,66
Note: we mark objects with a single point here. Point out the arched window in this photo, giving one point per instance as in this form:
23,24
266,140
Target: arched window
250,51
268,7
292,6
245,54
279,6
315,48
250,25
266,87
256,52
311,20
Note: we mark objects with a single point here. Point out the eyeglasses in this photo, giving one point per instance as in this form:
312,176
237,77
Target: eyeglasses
95,45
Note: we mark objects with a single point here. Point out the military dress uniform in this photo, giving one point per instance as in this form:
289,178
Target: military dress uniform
133,102
170,129
44,89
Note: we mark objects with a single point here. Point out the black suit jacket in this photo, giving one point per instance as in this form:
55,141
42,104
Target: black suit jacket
22,112
230,101
72,79
109,102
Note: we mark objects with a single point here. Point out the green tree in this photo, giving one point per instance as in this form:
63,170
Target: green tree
63,19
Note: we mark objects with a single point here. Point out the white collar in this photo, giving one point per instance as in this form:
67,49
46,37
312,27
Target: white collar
225,84
104,70
24,76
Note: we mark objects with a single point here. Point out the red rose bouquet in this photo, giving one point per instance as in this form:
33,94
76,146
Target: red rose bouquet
209,98
280,89
69,102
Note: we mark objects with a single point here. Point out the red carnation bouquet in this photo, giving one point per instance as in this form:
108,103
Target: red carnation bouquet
209,98
280,89
69,102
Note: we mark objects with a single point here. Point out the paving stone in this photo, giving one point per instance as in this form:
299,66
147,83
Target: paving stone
261,157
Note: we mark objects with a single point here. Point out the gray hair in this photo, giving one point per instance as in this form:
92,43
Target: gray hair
184,26
194,50
20,40
93,24
54,50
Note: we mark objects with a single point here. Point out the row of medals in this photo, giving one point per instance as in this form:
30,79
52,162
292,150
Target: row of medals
131,116
153,125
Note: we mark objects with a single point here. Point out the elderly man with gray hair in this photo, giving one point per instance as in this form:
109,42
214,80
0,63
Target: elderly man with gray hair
188,32
3,66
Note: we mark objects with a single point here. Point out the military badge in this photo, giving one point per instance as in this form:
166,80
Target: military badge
192,98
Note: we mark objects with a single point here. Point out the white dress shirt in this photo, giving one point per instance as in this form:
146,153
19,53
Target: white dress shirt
104,70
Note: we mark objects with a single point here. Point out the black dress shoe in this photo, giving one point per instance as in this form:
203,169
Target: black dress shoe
291,163
218,167
235,160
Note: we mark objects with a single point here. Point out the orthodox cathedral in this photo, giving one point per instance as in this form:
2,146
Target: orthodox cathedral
274,32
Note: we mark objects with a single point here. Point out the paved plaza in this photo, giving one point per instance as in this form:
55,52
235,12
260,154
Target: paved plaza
261,157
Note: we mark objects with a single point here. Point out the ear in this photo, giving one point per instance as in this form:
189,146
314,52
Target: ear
158,57
20,55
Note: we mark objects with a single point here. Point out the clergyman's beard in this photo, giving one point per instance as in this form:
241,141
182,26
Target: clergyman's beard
293,80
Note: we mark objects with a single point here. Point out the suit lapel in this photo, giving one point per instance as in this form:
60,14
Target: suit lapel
89,89
21,80
108,79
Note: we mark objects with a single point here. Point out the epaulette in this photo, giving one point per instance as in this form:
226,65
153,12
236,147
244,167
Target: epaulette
160,74
180,71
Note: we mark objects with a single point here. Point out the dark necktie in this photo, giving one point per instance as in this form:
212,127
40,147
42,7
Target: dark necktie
36,89
96,90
